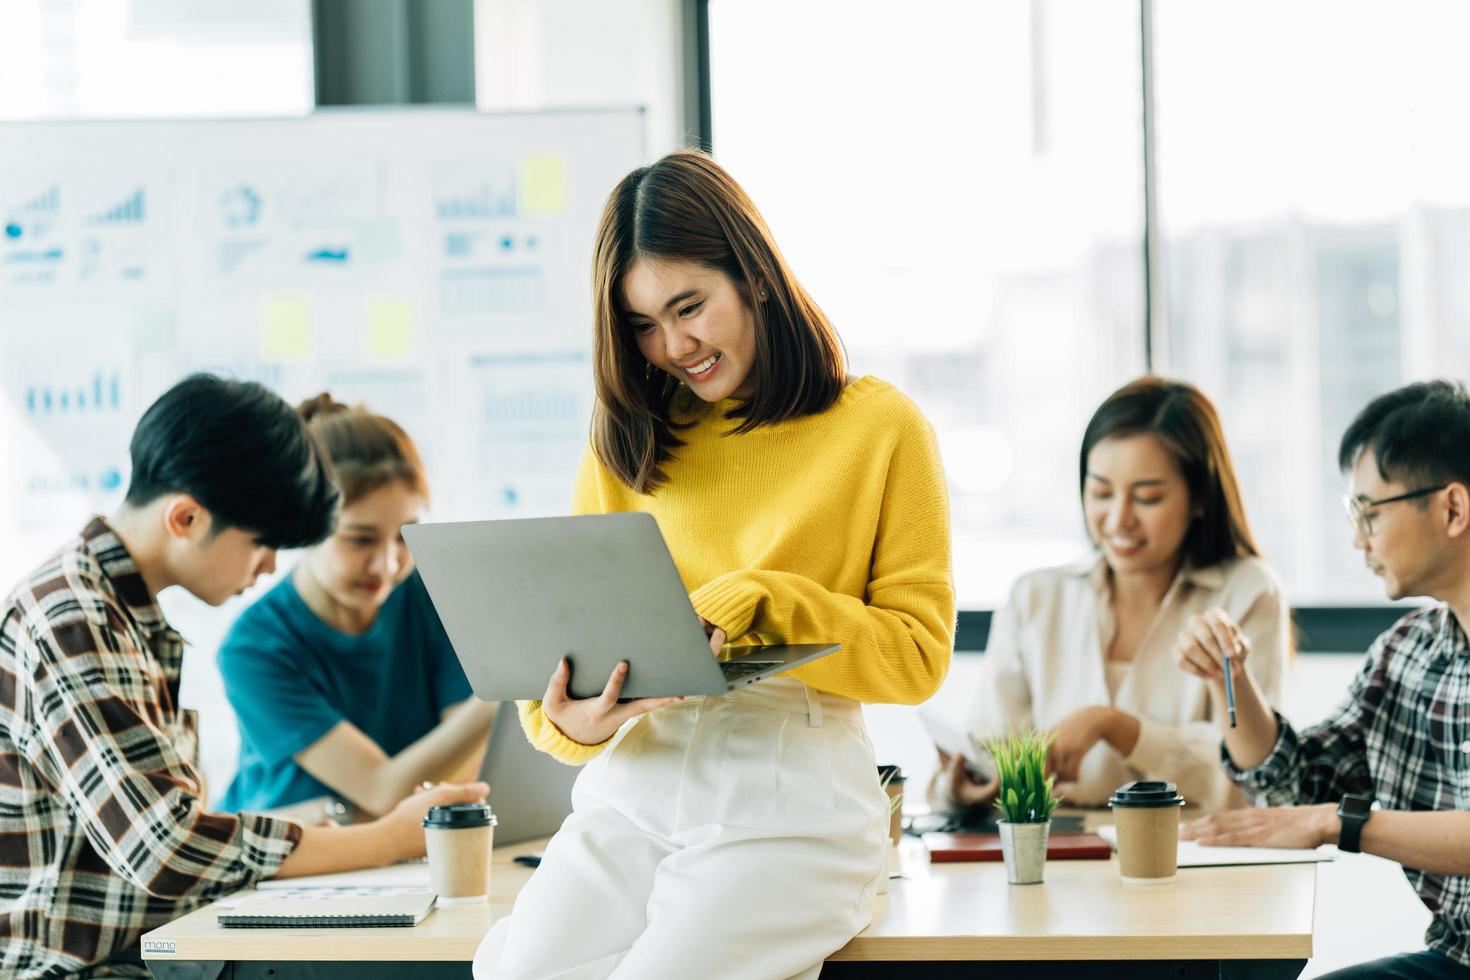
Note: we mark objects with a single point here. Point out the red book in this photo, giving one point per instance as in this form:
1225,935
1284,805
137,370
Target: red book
986,847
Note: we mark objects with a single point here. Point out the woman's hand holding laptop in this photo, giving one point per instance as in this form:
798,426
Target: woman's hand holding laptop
591,721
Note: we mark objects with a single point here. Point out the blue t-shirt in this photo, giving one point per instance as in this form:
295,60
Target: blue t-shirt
290,678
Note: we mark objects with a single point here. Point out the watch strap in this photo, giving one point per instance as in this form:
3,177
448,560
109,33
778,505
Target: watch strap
1350,836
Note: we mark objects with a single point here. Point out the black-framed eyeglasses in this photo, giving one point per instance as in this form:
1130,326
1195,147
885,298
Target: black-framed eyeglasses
1360,511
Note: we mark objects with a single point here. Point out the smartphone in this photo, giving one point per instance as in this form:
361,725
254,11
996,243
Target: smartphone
952,740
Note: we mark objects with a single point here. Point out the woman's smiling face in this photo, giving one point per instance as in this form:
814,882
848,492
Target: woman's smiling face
1137,503
692,322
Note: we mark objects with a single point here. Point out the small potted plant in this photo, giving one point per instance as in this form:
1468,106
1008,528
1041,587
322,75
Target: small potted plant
1026,801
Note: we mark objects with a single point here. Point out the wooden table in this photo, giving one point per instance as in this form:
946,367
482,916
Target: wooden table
1216,922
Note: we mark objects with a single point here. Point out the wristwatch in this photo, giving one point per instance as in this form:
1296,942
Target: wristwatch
1354,812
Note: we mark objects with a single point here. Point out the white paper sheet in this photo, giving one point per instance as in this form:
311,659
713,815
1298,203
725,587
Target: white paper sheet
1193,854
411,875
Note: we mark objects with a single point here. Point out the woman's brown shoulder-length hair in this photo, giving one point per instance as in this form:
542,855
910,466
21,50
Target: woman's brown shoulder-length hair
1183,419
366,451
686,207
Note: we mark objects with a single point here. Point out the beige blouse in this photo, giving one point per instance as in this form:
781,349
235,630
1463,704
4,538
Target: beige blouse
1045,660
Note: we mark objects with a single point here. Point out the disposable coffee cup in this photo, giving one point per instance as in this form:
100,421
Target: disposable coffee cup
1146,814
893,778
458,838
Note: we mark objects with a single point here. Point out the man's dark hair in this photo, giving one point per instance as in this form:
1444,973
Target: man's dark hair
1419,434
243,453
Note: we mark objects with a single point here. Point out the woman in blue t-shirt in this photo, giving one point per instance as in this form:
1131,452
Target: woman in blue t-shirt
342,679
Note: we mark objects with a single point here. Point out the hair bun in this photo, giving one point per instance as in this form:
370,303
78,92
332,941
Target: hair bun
320,406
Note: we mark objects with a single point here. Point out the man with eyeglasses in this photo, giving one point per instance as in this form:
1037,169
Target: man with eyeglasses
1389,772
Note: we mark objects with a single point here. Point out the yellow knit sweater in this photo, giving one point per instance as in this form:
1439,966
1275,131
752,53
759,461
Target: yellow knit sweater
831,527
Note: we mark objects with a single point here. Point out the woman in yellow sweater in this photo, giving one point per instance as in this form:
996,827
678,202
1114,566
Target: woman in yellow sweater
737,836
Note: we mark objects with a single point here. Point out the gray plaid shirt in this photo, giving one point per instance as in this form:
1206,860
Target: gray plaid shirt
103,829
1403,738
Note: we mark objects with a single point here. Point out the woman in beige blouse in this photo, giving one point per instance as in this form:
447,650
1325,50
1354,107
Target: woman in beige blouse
1088,651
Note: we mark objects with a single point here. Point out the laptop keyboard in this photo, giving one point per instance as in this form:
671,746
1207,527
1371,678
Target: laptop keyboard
736,669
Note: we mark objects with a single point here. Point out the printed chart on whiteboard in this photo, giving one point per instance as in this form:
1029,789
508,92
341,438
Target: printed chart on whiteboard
432,265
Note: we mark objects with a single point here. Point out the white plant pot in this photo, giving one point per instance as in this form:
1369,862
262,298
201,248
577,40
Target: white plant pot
1023,845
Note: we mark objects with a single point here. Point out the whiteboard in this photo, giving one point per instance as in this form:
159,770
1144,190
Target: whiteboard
434,264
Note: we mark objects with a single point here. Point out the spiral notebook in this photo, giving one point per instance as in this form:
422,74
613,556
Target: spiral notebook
266,911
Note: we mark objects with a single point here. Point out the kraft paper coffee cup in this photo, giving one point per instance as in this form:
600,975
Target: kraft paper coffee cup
1146,814
894,788
458,839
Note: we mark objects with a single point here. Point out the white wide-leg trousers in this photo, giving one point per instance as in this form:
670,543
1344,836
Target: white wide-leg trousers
735,837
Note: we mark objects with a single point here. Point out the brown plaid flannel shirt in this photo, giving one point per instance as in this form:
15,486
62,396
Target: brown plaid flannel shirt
103,830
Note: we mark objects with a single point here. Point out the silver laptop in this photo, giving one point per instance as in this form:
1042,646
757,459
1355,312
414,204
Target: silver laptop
530,792
517,596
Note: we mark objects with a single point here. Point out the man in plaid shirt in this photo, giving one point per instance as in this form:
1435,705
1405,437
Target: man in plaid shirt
1401,741
103,829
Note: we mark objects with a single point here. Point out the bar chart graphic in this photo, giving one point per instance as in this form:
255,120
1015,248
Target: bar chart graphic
488,201
533,396
531,411
530,416
101,394
129,211
484,290
34,216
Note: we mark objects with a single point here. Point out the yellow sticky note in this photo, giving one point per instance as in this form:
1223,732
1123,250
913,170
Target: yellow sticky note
286,330
390,330
543,184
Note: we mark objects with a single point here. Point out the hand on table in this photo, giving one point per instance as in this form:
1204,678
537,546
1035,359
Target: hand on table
1280,826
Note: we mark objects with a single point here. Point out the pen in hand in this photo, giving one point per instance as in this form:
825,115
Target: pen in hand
1229,690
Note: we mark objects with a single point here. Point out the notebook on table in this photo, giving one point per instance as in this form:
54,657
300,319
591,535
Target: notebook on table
269,911
986,847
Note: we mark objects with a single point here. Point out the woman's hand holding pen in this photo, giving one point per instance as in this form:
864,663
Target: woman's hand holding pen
1205,643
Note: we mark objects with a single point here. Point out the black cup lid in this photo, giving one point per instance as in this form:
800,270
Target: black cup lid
1147,793
459,815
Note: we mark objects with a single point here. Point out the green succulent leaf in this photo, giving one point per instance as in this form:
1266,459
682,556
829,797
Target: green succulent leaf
1027,793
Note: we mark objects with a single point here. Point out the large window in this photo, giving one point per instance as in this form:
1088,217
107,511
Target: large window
105,59
959,186
1314,191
